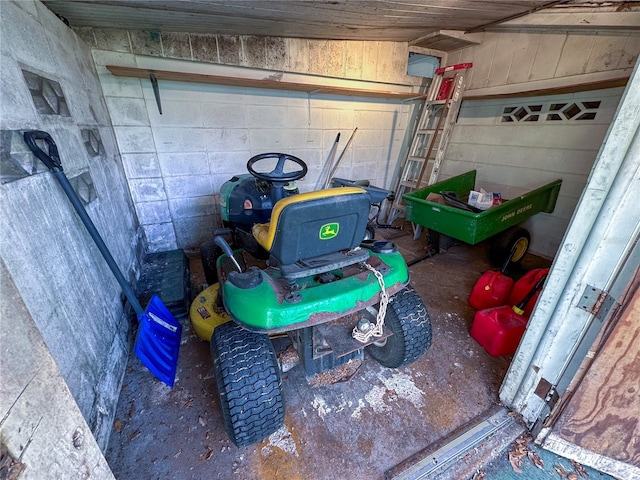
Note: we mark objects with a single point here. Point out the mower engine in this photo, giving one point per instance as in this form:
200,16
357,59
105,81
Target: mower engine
246,200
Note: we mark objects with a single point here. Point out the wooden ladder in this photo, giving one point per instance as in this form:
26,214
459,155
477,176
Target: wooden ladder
431,136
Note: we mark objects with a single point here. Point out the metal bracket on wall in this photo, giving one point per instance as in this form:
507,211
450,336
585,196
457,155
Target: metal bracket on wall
597,302
156,90
547,391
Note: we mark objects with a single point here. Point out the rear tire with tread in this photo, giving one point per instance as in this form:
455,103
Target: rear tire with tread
249,383
409,320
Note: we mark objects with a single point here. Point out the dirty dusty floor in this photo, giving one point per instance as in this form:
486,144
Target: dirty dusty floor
352,430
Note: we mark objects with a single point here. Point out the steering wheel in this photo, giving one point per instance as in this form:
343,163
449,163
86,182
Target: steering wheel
277,174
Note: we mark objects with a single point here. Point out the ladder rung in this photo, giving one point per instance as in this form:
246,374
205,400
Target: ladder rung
428,130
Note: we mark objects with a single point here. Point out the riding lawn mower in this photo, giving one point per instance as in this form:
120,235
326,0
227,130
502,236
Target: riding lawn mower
302,266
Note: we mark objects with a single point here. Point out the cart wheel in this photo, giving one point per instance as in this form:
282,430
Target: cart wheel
516,239
249,383
408,319
369,234
209,253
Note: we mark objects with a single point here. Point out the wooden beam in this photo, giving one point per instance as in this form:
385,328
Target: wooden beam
535,89
259,83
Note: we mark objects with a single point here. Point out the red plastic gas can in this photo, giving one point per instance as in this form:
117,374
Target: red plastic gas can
498,330
524,286
491,290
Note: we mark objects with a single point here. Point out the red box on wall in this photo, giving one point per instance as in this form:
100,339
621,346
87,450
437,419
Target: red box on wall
445,89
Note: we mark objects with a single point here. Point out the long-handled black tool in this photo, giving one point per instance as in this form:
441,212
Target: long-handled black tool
158,338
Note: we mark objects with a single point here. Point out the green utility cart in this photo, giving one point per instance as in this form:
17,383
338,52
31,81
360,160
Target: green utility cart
471,227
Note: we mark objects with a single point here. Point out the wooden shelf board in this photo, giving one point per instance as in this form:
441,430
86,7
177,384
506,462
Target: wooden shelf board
255,83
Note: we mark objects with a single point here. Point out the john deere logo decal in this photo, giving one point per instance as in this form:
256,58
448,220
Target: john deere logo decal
329,231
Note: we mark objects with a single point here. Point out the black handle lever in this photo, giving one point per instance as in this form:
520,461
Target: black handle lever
51,158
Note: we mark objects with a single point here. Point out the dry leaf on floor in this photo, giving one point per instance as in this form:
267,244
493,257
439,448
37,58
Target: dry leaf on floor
479,475
579,469
535,459
561,471
208,455
135,434
188,403
117,425
515,460
572,476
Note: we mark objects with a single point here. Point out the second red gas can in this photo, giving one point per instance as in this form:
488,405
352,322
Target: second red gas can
491,290
523,286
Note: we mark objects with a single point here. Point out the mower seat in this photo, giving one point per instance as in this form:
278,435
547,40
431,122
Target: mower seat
308,232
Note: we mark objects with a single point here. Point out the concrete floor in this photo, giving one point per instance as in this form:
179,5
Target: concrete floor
353,430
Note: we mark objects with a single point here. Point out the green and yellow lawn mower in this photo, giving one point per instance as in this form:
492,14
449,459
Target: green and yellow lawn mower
299,268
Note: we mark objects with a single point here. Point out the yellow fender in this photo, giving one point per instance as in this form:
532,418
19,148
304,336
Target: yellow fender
205,316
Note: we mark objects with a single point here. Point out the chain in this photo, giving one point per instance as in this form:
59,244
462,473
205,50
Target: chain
376,331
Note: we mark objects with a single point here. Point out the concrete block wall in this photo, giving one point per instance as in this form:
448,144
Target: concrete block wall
358,60
41,422
520,61
516,156
68,290
176,161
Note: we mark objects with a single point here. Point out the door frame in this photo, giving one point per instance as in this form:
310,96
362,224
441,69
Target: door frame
597,259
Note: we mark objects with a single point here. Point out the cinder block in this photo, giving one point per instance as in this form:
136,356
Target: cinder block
176,45
229,49
354,55
187,186
192,232
226,139
275,53
160,237
268,140
224,115
298,55
335,58
179,113
127,111
175,139
192,207
145,42
253,51
175,164
147,190
317,57
112,39
204,47
141,165
153,212
225,164
134,139
264,116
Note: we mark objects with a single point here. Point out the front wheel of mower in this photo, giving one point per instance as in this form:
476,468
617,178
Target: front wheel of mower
408,319
249,383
